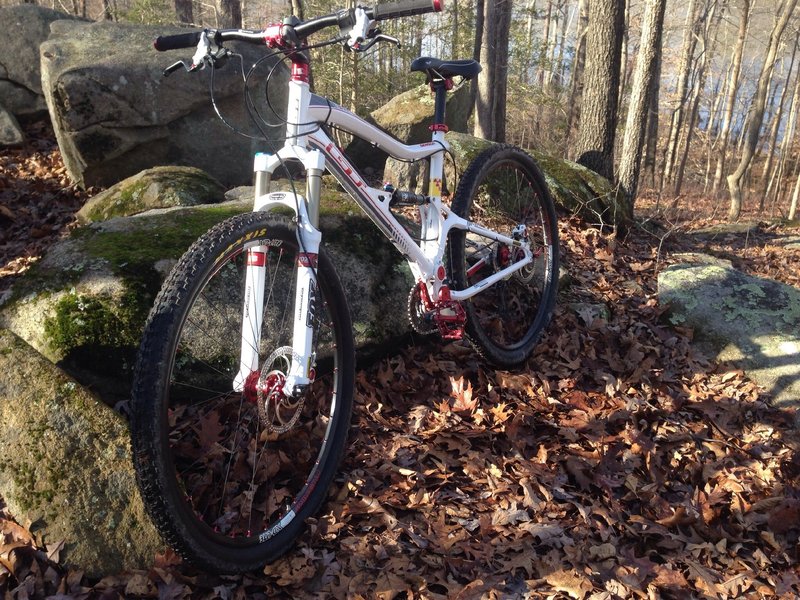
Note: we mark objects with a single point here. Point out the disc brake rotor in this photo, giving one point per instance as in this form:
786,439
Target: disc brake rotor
278,412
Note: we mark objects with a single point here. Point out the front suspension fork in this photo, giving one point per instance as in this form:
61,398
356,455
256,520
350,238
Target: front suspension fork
309,238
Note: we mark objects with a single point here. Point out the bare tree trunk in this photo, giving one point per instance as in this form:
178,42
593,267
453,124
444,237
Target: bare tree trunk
229,14
681,92
596,134
545,43
773,134
756,114
643,77
184,11
711,23
296,7
530,10
490,106
795,195
576,81
623,76
480,9
559,63
733,89
775,188
456,40
715,106
651,137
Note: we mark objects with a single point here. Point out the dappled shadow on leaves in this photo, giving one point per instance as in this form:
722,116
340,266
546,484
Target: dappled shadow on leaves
618,463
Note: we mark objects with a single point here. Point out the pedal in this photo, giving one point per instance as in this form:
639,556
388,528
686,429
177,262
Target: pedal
450,317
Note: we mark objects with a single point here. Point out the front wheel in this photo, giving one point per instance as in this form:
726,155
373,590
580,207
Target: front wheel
228,476
504,190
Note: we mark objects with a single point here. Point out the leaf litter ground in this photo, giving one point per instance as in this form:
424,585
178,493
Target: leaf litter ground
618,463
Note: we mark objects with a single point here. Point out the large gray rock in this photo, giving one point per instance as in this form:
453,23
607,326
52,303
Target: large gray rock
115,114
10,132
65,467
750,321
25,27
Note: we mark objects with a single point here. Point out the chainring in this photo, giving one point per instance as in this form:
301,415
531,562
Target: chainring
418,317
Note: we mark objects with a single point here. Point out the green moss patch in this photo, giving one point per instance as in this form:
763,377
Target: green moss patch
79,320
160,187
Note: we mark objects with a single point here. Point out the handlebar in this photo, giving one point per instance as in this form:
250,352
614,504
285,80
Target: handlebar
405,8
270,36
174,42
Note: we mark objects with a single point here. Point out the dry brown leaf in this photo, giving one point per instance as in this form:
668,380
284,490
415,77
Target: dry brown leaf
570,582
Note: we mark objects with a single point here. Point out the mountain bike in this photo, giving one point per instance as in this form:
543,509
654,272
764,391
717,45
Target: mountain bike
244,383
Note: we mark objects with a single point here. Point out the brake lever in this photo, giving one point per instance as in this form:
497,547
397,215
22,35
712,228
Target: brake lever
175,66
380,37
187,66
217,58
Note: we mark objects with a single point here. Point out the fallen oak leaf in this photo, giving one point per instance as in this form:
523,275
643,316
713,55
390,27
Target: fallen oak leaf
678,518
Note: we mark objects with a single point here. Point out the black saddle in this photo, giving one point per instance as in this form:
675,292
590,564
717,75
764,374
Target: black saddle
445,69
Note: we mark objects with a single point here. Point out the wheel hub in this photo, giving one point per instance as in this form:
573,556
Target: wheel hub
277,411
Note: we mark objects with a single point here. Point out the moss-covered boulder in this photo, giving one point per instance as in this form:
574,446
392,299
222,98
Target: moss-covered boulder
750,321
65,466
159,187
85,303
575,188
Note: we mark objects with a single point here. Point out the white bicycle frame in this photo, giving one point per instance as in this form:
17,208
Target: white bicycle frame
307,142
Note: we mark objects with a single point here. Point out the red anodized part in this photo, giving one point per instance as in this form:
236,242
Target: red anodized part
273,36
300,71
437,5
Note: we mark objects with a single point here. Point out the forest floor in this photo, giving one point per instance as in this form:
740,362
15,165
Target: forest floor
620,463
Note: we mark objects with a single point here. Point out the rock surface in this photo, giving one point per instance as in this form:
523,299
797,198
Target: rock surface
750,321
115,114
407,118
20,75
10,132
65,466
159,187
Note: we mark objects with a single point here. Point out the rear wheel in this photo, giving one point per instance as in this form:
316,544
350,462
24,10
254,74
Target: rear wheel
504,190
230,477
